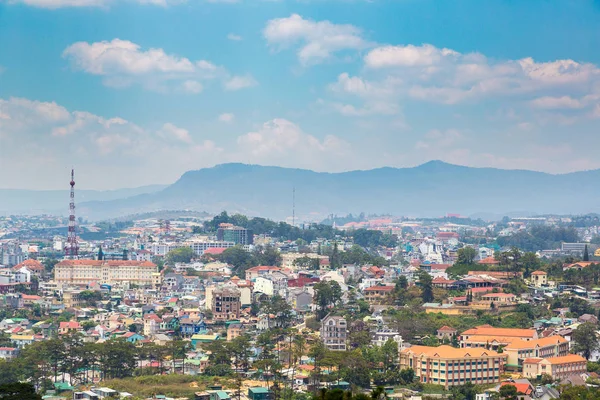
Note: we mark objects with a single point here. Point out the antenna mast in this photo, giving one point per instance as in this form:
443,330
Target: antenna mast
72,247
294,206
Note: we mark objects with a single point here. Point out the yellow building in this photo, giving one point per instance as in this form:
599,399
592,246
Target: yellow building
84,272
556,367
539,278
449,366
518,350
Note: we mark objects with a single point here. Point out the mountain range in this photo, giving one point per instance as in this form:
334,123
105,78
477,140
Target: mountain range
432,189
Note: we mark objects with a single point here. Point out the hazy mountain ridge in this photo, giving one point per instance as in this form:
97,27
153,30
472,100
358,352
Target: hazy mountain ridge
431,189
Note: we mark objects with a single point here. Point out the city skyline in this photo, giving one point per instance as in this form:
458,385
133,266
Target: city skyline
138,92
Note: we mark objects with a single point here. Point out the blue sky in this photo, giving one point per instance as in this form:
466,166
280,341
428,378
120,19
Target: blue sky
134,92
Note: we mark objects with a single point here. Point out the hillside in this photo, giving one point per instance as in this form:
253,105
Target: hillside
431,189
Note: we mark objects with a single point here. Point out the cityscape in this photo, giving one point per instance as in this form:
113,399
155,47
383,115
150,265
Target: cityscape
299,200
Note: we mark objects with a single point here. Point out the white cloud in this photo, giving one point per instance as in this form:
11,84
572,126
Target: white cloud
319,40
240,82
234,37
172,132
436,139
283,142
192,86
122,63
548,102
226,117
405,56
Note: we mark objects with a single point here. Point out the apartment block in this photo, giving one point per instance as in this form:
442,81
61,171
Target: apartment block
449,366
334,332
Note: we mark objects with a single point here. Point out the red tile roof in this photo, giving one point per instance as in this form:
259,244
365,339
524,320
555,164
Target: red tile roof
33,265
110,263
379,288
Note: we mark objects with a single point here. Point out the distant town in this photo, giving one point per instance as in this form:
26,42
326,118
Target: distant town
234,307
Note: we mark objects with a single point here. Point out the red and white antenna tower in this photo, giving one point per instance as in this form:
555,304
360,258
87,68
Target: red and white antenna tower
72,247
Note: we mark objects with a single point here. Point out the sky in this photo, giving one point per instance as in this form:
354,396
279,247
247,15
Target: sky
137,92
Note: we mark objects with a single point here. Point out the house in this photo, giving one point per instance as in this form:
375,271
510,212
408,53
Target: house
260,393
499,298
449,366
578,265
132,337
333,332
588,318
446,332
539,278
524,388
6,353
262,270
200,339
489,261
21,340
301,301
69,327
234,330
556,367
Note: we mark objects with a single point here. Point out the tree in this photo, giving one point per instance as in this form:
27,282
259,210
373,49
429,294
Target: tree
466,255
334,258
426,283
326,295
180,255
585,339
49,264
508,392
586,254
18,391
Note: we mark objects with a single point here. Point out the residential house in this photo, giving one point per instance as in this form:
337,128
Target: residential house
519,350
446,332
378,294
539,278
6,353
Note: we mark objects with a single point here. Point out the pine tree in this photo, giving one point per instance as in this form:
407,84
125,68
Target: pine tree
586,254
100,254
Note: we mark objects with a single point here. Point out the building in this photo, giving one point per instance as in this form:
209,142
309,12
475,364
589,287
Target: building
539,278
334,331
557,367
288,260
261,270
518,350
378,294
449,366
200,246
488,336
226,304
85,272
6,353
260,393
573,247
235,234
234,330
446,332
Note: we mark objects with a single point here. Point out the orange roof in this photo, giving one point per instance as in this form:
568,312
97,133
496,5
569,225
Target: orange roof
524,388
569,358
379,288
451,352
488,260
487,330
542,342
539,273
446,328
506,295
263,268
33,265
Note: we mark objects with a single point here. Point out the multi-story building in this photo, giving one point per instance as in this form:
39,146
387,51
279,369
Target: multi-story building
236,234
226,304
334,331
201,245
378,294
449,366
557,367
84,272
518,350
490,337
539,278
